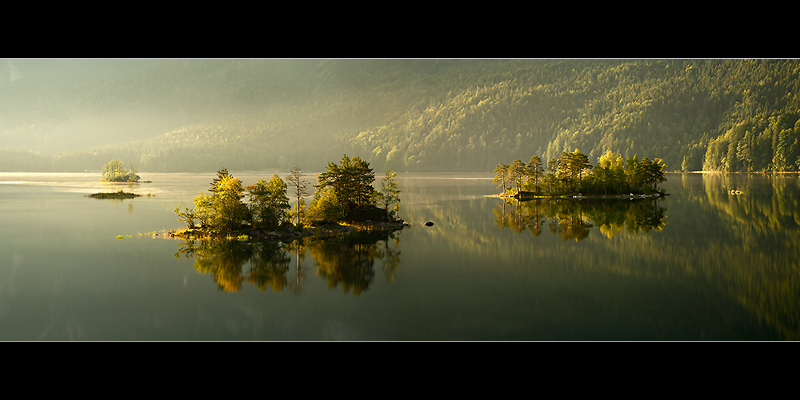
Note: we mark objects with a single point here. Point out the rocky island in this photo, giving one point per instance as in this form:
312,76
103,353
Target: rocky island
115,195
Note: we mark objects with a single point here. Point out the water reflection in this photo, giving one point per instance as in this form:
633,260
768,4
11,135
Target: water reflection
225,260
345,261
349,260
756,259
573,219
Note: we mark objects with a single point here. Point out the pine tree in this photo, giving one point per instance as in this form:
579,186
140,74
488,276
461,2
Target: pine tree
390,193
500,175
351,183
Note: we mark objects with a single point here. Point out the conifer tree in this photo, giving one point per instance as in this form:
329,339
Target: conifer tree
390,193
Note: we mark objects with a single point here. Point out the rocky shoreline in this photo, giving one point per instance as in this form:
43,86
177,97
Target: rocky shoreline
531,196
291,232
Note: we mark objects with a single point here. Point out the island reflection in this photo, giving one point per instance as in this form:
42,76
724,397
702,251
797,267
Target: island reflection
346,261
573,219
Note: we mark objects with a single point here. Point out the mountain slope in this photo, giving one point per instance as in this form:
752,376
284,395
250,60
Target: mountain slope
408,115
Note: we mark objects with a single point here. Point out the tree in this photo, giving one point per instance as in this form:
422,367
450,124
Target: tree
187,216
351,184
324,208
610,172
268,202
535,171
581,164
572,166
362,177
295,178
633,172
500,175
227,202
516,173
114,171
655,173
133,174
390,193
221,174
221,210
553,176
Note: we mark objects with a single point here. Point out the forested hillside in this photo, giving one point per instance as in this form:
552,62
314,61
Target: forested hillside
406,115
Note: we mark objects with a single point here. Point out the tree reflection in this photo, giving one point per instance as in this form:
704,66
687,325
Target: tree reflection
224,259
345,261
268,266
349,260
572,219
299,250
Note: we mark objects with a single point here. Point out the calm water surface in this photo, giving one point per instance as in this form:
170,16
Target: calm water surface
701,264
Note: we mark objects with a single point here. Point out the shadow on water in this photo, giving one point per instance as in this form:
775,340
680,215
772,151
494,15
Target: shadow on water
343,261
574,219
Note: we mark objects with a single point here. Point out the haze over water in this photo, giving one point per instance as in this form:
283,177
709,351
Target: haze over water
714,266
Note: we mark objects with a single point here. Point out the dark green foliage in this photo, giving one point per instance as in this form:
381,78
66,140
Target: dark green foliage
571,174
345,193
766,142
268,202
673,108
350,184
412,115
116,195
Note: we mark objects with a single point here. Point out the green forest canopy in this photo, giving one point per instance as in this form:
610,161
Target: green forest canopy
405,115
572,174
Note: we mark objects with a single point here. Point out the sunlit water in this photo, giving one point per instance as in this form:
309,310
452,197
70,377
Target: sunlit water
707,266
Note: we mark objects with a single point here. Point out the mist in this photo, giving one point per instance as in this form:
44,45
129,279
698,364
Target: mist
173,115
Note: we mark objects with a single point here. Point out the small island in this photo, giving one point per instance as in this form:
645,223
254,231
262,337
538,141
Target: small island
114,171
114,195
344,202
571,176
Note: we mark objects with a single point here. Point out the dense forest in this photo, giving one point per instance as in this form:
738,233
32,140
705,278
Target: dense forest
405,115
571,174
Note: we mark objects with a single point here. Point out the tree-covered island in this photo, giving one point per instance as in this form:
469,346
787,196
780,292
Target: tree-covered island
344,201
114,171
571,175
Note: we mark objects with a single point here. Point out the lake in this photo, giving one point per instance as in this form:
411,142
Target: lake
700,264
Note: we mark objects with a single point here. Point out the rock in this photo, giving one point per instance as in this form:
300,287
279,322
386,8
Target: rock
429,223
